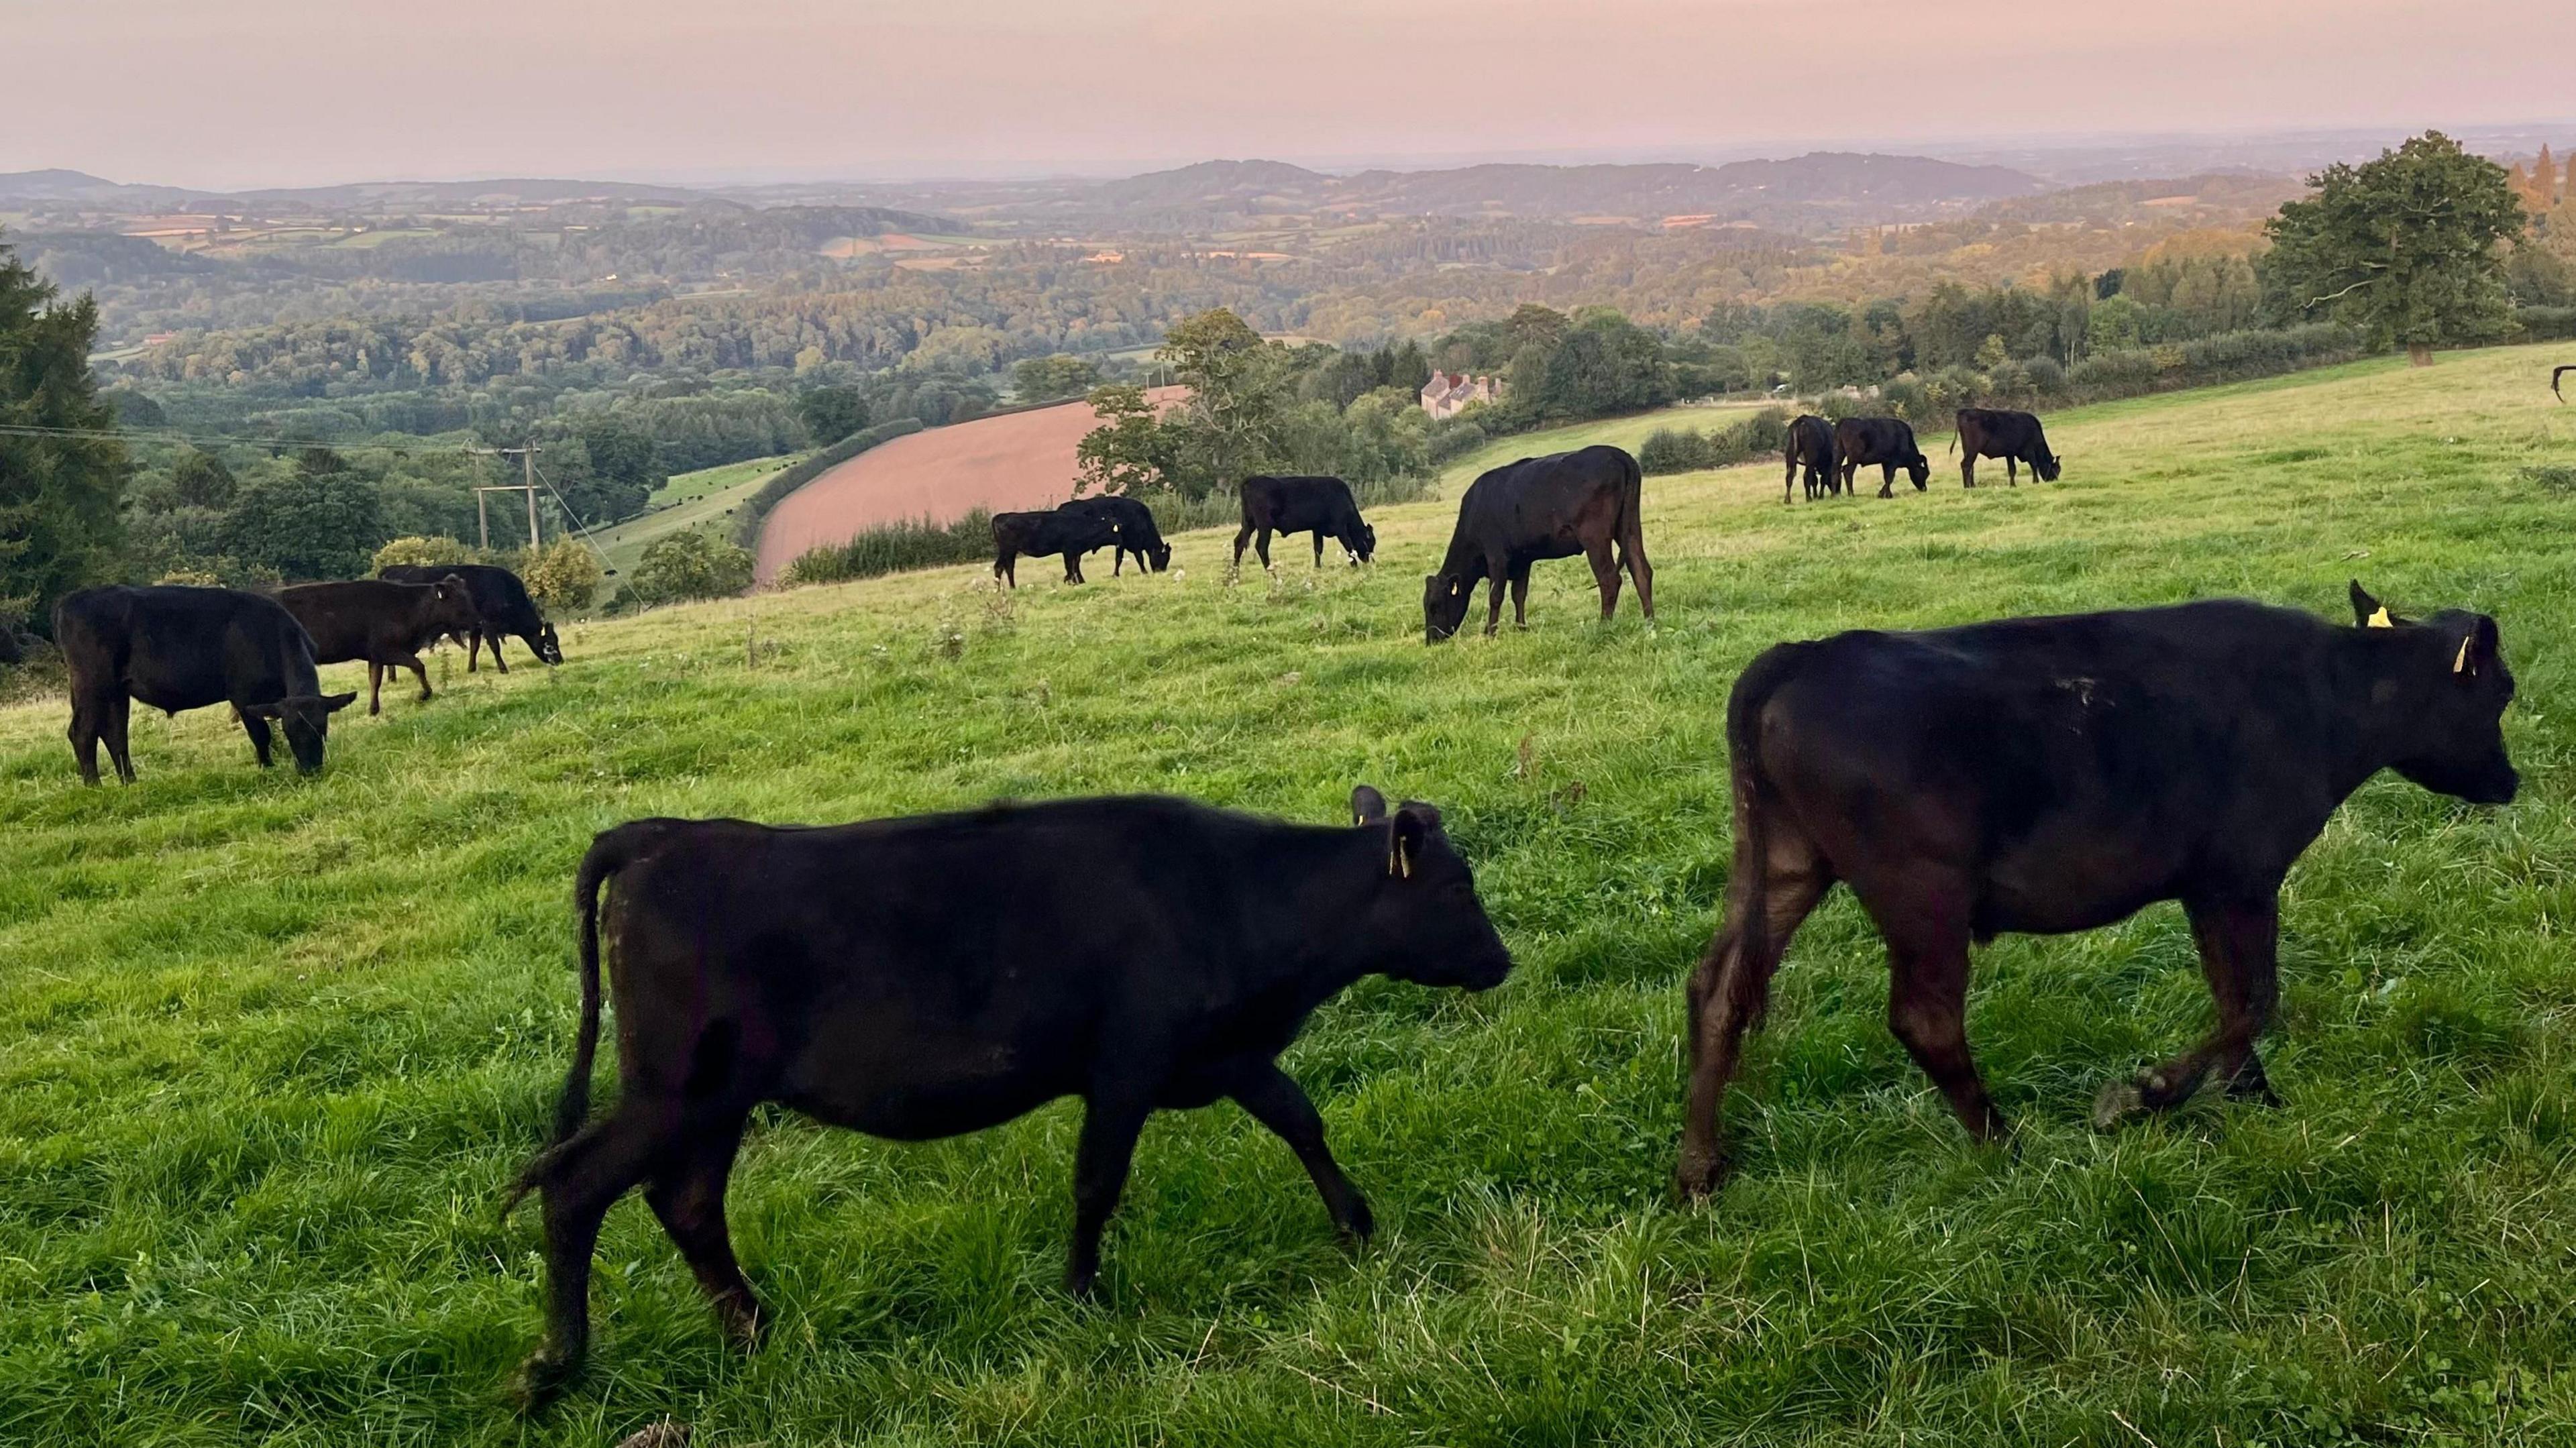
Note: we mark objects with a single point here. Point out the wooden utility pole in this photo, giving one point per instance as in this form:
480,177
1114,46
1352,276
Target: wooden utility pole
527,457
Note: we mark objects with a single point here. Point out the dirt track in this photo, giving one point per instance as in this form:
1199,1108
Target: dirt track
1020,460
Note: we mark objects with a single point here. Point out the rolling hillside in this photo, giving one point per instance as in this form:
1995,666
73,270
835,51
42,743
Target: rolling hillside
275,1048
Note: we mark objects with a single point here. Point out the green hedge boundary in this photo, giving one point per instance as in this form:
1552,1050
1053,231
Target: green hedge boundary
755,511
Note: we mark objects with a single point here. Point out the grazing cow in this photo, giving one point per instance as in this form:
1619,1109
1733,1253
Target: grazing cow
382,622
1886,441
186,648
1133,523
1993,432
502,603
1811,446
2554,374
1054,531
1321,506
2048,775
1557,506
927,977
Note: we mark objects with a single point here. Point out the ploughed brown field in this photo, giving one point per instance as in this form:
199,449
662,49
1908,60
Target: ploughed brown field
1018,460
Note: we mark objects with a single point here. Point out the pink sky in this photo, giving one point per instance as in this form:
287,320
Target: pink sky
286,92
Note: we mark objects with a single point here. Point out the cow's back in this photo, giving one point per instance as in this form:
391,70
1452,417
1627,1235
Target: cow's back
177,648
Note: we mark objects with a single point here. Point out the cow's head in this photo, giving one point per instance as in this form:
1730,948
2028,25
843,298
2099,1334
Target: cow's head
1362,543
1919,468
2456,713
549,648
451,606
2047,466
305,720
1424,923
1444,605
1160,556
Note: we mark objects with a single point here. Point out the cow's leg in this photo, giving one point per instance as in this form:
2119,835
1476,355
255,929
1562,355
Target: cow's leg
1789,480
2011,475
1887,480
87,714
1927,1004
473,648
578,1183
1278,1102
257,729
2239,954
375,687
1520,598
1730,990
498,662
1319,548
112,722
1108,1146
688,1197
419,671
1072,567
1605,573
1968,471
1262,547
1242,536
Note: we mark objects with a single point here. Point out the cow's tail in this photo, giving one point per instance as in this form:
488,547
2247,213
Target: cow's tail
1632,509
1747,978
611,852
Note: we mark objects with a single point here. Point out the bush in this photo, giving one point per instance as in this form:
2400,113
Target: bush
563,576
1456,436
1685,450
747,519
894,548
1675,450
689,565
2545,324
190,578
418,552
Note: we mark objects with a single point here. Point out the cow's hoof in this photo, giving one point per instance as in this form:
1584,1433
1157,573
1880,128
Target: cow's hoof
1361,1226
1696,1178
543,1377
2118,1102
743,1325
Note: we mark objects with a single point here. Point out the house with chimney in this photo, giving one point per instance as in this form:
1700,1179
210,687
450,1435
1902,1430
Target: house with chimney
1447,392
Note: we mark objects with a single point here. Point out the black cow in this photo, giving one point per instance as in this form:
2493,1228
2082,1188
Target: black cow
1289,504
382,622
1886,441
2016,437
1811,446
1054,531
927,977
1136,531
186,648
2554,374
1557,506
500,599
2048,775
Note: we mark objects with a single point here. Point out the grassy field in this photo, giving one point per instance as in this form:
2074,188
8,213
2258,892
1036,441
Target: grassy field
1627,432
688,500
270,1050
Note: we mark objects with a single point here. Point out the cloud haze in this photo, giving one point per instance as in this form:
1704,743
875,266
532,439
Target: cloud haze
253,92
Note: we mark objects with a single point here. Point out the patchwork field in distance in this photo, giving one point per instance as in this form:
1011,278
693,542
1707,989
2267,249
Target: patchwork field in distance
270,1051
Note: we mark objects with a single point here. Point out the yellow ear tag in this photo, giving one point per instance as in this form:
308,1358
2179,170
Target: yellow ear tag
2461,664
1453,590
2381,618
1403,860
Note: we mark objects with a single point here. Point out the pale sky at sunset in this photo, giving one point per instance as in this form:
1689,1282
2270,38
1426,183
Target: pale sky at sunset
290,92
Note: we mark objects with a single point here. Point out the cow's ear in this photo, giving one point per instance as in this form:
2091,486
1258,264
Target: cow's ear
2477,652
2368,612
1367,806
334,703
1405,833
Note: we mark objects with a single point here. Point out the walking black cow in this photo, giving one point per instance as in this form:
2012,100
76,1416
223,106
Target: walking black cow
920,978
1887,442
186,648
1811,446
502,604
1586,502
2047,775
383,622
2016,437
1054,531
1292,504
1136,532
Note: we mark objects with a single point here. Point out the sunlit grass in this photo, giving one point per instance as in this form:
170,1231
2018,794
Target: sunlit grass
269,1050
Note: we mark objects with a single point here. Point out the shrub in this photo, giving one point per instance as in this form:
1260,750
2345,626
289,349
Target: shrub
563,576
422,552
895,547
1684,450
1454,437
190,578
689,565
1674,450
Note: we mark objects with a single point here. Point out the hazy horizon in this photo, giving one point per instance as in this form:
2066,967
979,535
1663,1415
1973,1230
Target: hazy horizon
259,93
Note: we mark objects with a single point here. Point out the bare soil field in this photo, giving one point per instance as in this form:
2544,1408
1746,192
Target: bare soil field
1018,460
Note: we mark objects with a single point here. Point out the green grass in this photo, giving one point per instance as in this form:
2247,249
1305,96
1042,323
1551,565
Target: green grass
270,1050
688,500
1627,432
